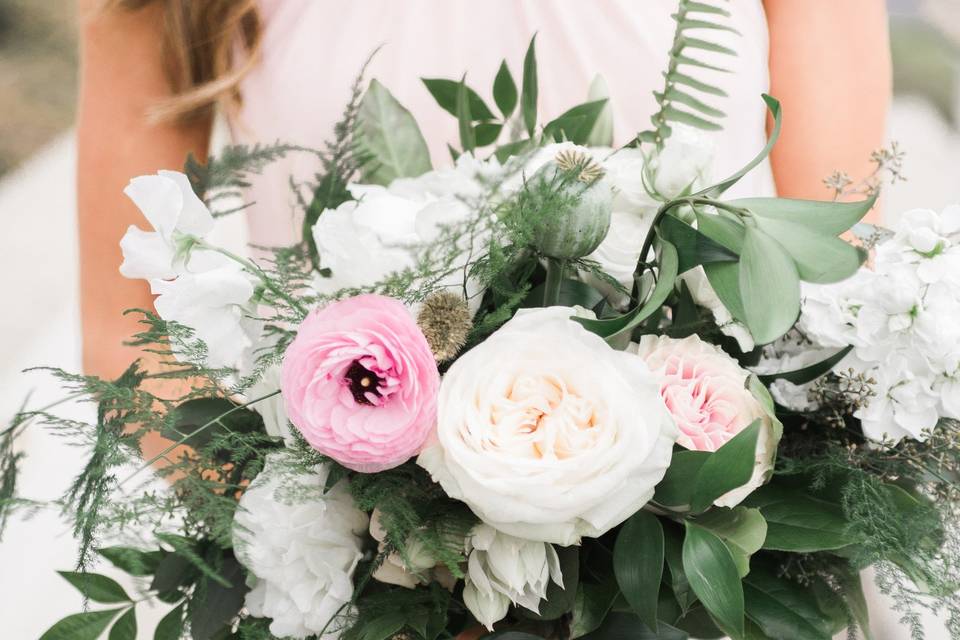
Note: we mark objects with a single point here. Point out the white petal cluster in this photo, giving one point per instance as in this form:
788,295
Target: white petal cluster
503,569
202,289
901,318
272,410
363,241
302,545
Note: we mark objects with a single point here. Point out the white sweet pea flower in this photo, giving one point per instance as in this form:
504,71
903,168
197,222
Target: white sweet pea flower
503,569
214,303
176,214
549,434
302,545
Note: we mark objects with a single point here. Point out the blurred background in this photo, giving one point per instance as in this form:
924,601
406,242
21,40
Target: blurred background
40,325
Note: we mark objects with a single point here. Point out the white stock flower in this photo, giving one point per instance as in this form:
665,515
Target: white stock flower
900,318
302,545
176,214
363,241
548,433
503,569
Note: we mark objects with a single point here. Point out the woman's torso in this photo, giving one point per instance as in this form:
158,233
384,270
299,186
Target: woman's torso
313,51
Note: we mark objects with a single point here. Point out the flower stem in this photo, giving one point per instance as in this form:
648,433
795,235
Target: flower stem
551,288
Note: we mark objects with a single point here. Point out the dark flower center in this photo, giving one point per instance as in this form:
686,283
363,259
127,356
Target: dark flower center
361,382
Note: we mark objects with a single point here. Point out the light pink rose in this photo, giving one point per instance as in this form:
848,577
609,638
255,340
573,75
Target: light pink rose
360,383
707,394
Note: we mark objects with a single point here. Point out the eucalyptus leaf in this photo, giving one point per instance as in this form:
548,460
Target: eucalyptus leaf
638,564
505,91
445,93
727,468
125,628
388,133
81,626
96,587
769,286
713,576
601,135
819,258
528,95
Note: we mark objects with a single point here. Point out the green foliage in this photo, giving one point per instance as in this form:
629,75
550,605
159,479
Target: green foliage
679,100
638,564
389,136
713,576
229,172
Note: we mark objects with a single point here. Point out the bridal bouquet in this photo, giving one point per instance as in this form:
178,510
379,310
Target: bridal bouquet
557,390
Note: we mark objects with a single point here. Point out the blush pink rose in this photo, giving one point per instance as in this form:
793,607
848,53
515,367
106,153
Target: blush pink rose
704,389
360,383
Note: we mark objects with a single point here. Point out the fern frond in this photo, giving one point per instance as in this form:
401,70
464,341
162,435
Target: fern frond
682,105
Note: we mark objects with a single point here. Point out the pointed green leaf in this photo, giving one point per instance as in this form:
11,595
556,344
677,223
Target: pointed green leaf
742,529
808,374
505,91
798,522
132,561
468,140
171,625
727,468
699,85
703,7
705,45
713,577
638,564
693,248
445,93
81,626
724,278
673,554
125,628
673,114
602,133
388,133
674,94
819,258
506,151
676,488
694,62
690,23
96,587
486,133
528,96
827,218
769,286
575,124
783,608
722,229
591,606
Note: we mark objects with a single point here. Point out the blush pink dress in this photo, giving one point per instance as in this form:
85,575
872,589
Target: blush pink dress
313,50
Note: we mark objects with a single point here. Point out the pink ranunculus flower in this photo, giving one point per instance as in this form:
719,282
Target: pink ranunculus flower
360,383
706,392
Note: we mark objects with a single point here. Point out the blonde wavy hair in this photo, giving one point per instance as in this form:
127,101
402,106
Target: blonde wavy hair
208,47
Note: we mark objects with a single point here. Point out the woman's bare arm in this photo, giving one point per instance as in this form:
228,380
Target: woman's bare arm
830,68
121,77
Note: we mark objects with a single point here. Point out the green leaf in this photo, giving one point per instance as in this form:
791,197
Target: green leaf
81,626
798,522
724,278
575,124
602,133
693,247
698,623
827,218
691,23
727,468
769,286
693,83
186,548
125,628
388,133
383,626
572,293
638,564
528,95
200,419
624,626
742,529
222,603
722,230
468,139
783,608
445,93
132,561
673,114
506,151
857,603
774,106
713,576
486,133
591,606
505,91
676,488
819,258
172,572
703,7
810,373
673,94
612,328
673,553
96,587
171,625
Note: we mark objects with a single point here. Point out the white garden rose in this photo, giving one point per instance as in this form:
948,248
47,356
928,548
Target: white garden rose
302,544
503,569
363,241
548,433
